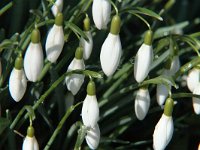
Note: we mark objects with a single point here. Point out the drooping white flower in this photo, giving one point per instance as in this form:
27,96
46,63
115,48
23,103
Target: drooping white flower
161,93
17,80
195,100
142,103
75,81
30,142
101,11
57,7
111,49
174,66
33,59
90,108
93,137
144,58
193,79
87,45
164,129
55,40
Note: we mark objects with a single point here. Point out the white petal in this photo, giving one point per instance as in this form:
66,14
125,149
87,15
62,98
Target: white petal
196,101
161,94
142,103
30,143
143,61
110,54
90,111
17,84
163,132
175,65
75,81
101,10
93,137
57,7
193,79
87,46
54,43
33,61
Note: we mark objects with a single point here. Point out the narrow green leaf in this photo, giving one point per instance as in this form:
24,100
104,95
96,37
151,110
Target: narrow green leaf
4,123
148,12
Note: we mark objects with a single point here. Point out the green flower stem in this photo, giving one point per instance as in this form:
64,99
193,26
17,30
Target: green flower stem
5,8
184,95
17,118
81,135
115,7
60,125
44,71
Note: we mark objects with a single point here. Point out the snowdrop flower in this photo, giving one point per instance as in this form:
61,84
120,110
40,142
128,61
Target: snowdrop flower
162,93
55,39
75,81
90,109
101,10
33,59
57,7
164,129
175,65
111,49
144,58
195,100
93,137
193,79
199,147
17,80
30,142
142,103
87,45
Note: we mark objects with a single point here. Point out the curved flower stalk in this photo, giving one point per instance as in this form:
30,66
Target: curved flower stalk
75,81
93,137
17,80
55,39
193,79
30,142
142,103
57,7
164,129
144,58
90,108
195,100
87,45
101,11
111,49
33,59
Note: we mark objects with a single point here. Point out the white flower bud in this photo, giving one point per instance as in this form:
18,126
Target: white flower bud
54,43
75,81
101,10
90,111
142,103
87,45
110,55
195,100
17,84
33,61
193,79
161,93
93,137
143,61
163,132
175,65
30,143
57,7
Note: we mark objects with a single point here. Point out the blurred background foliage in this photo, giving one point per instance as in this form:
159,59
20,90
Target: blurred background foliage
119,126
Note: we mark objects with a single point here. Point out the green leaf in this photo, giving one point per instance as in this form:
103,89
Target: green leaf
77,30
148,12
4,123
92,74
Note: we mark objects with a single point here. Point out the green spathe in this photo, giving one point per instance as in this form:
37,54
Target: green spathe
169,105
30,131
19,62
148,37
115,25
79,53
35,36
91,89
59,19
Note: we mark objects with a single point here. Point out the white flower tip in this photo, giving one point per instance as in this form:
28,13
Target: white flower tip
30,143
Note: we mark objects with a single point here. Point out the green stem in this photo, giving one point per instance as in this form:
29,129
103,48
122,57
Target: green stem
44,71
115,7
60,125
5,8
81,135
